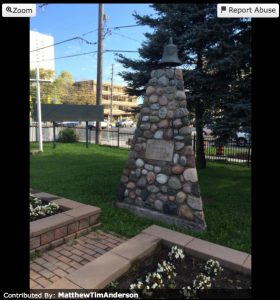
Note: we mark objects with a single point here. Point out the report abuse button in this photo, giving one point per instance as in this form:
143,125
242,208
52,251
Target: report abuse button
249,10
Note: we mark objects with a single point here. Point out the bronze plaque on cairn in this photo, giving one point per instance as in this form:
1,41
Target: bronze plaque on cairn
159,150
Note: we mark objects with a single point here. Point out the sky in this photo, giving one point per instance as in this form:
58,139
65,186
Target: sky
64,21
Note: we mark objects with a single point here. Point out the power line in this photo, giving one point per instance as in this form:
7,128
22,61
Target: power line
88,32
65,56
126,37
52,45
86,41
80,54
74,38
125,26
83,34
120,51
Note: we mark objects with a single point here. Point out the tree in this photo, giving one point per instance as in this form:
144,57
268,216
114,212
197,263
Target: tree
45,87
215,53
63,88
235,104
84,93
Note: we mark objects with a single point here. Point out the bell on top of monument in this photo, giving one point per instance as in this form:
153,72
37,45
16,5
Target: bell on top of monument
170,55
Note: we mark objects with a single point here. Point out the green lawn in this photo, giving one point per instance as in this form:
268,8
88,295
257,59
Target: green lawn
211,150
91,175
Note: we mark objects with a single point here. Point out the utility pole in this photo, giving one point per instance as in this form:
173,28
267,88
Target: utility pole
112,88
38,94
99,67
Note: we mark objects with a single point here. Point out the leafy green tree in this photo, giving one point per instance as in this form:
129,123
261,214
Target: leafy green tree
216,64
84,93
63,89
46,88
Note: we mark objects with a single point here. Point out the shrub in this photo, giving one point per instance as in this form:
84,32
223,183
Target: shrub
67,135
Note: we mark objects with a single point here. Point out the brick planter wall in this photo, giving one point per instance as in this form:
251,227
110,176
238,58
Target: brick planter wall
98,273
75,220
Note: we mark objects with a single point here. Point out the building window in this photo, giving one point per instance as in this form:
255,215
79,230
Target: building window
105,88
120,98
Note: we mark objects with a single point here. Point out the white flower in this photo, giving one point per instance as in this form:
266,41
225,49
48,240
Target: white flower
132,286
201,282
176,253
213,268
37,209
154,285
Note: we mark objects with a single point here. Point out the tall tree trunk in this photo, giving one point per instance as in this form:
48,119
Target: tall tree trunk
199,112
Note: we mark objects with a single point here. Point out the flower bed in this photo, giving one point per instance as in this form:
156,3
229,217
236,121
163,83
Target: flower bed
40,209
54,226
109,267
183,276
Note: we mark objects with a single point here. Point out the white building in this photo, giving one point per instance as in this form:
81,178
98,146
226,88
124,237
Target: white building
44,58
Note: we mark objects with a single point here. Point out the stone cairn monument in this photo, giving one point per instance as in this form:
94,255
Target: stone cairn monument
159,180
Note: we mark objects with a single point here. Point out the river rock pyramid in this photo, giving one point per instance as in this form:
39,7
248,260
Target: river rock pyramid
160,180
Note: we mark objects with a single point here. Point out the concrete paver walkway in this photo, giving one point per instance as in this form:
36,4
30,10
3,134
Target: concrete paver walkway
63,260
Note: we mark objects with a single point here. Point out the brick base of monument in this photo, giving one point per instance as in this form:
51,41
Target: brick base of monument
160,178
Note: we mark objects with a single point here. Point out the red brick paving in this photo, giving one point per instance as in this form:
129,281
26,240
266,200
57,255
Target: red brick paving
65,259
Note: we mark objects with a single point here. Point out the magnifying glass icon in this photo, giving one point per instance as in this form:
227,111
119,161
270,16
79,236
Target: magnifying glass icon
8,9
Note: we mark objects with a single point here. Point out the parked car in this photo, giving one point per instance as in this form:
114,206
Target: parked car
125,123
68,124
206,131
103,124
242,138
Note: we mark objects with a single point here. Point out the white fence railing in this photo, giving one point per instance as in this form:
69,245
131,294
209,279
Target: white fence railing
107,137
